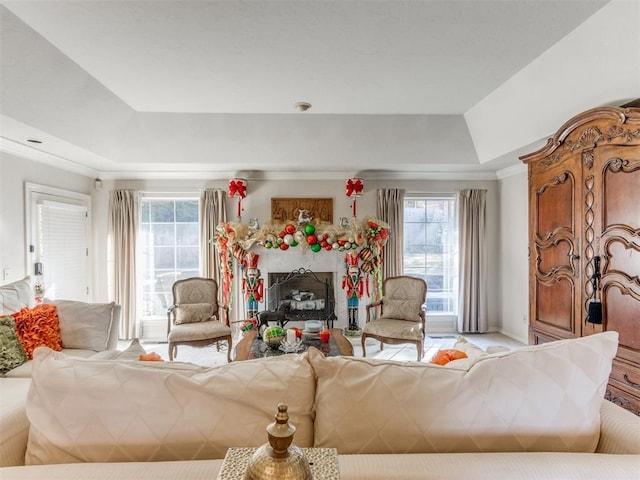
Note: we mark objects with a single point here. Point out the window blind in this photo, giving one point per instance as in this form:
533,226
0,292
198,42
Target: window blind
63,249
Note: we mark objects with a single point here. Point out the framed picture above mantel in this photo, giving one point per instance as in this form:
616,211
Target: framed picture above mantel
284,209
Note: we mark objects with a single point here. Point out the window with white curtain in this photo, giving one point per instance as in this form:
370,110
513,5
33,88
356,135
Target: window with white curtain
431,248
169,250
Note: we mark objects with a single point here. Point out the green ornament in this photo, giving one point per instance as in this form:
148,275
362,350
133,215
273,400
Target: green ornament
267,245
293,244
309,229
316,247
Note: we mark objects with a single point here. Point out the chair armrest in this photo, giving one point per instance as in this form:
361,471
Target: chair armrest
619,430
371,307
169,312
223,312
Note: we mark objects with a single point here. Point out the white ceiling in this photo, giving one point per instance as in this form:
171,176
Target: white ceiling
208,87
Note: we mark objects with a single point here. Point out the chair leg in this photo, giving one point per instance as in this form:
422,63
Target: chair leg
420,347
171,348
381,345
363,338
229,343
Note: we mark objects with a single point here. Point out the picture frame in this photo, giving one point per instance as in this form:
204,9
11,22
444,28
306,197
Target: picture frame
288,209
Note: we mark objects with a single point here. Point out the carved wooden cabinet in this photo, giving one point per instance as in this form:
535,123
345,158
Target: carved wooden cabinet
584,201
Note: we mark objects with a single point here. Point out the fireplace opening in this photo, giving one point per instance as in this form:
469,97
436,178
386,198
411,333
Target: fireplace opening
298,296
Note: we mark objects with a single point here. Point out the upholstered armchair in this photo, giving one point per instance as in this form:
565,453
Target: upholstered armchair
399,316
196,318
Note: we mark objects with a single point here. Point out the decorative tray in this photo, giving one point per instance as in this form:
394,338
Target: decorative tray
323,463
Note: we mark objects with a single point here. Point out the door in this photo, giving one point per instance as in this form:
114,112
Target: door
58,239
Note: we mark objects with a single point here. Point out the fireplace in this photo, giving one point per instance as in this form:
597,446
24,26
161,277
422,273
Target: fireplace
298,296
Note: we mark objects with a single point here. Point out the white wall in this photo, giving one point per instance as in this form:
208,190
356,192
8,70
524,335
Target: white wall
513,257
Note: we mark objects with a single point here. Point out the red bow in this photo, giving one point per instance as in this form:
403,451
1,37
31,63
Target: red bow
237,187
354,188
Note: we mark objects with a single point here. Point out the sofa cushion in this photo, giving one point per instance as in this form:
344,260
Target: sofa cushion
84,326
538,398
12,353
85,410
38,327
16,296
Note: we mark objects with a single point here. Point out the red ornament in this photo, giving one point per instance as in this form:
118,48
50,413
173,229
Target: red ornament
283,246
290,229
311,239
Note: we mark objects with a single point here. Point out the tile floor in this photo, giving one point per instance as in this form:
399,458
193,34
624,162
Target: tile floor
208,356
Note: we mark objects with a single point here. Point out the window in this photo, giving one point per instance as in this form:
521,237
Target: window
431,248
169,245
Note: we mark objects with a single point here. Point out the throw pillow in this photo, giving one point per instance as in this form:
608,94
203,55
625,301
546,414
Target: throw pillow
542,398
445,356
38,327
132,352
86,410
401,310
16,295
85,326
12,353
193,312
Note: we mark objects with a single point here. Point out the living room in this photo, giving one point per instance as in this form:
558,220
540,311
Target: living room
76,120
428,154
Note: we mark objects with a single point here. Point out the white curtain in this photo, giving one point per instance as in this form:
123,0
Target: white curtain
472,311
212,211
122,231
390,209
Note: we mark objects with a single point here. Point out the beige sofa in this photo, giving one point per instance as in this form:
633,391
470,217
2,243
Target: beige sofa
537,412
85,328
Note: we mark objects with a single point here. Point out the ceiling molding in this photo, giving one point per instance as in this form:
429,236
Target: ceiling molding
30,153
516,169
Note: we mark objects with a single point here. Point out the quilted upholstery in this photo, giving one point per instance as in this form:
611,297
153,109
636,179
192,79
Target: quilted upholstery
84,410
539,398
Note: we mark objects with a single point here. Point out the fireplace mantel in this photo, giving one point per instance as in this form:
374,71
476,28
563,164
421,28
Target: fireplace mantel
317,246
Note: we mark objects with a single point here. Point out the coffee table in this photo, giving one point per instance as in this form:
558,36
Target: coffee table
338,345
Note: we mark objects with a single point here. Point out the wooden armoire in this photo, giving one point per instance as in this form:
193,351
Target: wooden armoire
584,209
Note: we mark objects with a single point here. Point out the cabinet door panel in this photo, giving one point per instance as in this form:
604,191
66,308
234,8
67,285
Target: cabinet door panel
617,184
554,255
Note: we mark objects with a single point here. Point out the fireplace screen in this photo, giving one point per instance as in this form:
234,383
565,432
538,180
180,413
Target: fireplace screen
299,296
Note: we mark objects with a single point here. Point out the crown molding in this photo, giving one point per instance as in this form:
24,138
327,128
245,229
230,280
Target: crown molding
203,171
31,153
511,171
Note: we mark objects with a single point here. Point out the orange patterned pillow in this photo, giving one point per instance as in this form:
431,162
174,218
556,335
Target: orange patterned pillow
445,356
38,327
